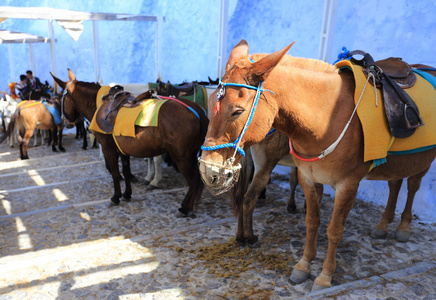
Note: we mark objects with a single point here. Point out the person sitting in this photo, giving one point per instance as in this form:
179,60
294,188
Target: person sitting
21,86
33,82
12,91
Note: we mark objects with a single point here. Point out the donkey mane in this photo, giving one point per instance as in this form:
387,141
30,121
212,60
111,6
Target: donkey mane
301,63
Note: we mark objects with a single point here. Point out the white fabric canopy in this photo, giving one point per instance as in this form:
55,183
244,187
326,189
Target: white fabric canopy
11,37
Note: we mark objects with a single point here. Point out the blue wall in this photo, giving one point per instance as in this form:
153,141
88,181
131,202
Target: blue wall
190,35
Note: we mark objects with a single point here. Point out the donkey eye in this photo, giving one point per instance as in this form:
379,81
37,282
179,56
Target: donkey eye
237,112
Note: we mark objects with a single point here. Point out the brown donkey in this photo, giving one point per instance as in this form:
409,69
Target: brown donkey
311,102
31,115
179,132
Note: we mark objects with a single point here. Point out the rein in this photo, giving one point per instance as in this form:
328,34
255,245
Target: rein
236,143
62,103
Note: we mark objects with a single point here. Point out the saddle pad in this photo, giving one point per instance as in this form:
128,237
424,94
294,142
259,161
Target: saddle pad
54,112
27,103
377,137
144,115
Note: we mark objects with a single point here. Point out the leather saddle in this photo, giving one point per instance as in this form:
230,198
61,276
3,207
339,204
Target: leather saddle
184,89
112,103
54,102
393,75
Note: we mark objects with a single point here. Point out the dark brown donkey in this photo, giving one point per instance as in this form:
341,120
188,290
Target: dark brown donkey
312,102
179,133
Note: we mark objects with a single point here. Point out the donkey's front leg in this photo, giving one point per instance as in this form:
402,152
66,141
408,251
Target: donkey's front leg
128,176
111,158
313,193
344,200
60,129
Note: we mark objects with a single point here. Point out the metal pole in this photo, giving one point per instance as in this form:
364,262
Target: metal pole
52,54
32,60
328,29
96,53
222,37
159,25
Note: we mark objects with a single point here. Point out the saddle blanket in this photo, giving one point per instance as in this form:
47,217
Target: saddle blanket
378,141
143,115
54,112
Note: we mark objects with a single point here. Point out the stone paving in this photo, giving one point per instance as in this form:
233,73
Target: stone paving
60,240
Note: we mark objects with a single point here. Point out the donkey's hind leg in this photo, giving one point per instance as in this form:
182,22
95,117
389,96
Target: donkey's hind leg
413,184
24,142
155,176
381,229
188,167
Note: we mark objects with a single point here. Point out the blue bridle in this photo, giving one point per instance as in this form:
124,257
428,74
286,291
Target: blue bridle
220,94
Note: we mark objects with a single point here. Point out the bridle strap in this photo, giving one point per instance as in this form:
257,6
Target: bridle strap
62,103
236,143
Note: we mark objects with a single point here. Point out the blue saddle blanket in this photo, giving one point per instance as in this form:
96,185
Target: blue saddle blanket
55,113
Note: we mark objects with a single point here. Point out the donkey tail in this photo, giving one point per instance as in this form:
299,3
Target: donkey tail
241,186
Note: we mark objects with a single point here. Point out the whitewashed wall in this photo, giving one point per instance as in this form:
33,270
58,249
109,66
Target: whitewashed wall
403,28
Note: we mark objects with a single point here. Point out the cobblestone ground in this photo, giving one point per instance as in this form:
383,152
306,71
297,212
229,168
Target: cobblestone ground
60,240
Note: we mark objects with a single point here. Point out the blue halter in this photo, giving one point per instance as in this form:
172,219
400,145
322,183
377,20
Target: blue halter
220,94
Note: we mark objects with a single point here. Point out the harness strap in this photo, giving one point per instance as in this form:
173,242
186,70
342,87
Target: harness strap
236,143
184,104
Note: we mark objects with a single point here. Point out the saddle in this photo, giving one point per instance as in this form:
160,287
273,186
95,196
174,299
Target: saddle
393,75
112,103
184,89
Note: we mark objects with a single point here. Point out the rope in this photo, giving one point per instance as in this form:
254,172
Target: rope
236,143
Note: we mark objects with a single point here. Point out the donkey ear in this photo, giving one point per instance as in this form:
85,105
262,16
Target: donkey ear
71,75
263,67
61,83
240,51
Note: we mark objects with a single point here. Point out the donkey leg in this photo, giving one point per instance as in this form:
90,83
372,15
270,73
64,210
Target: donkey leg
125,161
260,180
60,129
111,160
157,170
381,229
188,167
413,184
293,181
344,200
150,171
313,192
53,134
24,143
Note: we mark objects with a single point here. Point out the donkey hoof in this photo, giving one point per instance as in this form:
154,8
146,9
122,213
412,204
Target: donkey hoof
62,149
292,209
146,182
298,276
378,233
318,287
133,179
126,198
402,236
180,214
151,187
112,204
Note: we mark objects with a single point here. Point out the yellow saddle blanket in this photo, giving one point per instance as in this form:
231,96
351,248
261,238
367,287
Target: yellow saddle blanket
143,115
377,137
